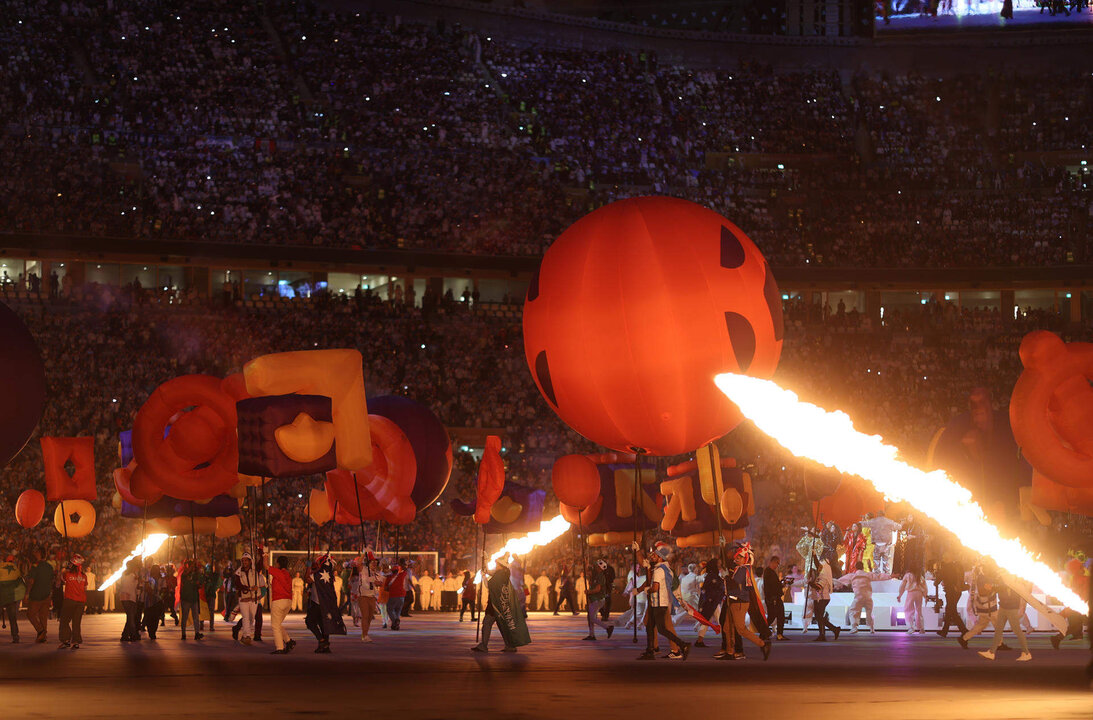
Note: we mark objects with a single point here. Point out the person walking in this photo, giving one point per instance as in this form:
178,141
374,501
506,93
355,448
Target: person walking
395,585
280,603
773,592
710,598
984,598
596,594
129,596
503,611
467,595
914,587
39,587
354,585
249,581
820,590
609,589
12,591
739,587
369,580
211,583
951,575
189,595
75,601
658,588
1009,611
323,617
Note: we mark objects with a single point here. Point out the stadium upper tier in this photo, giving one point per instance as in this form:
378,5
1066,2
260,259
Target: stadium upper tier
283,123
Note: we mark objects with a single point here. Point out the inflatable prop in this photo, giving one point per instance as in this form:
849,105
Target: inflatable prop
285,435
429,439
169,507
319,507
610,519
60,483
134,486
697,490
385,488
199,458
29,508
576,480
977,449
846,506
229,526
518,511
22,385
634,308
337,374
491,480
74,518
1051,409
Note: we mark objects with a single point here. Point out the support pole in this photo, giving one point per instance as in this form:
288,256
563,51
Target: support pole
480,575
637,509
357,491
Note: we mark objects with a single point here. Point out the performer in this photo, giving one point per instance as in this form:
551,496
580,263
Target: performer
467,596
658,587
951,575
12,591
830,537
915,587
882,530
297,593
75,600
811,549
40,584
867,550
516,577
710,598
1009,611
984,597
773,591
190,596
634,580
368,580
821,596
596,594
739,589
861,582
280,603
503,611
609,589
323,618
395,585
250,581
210,584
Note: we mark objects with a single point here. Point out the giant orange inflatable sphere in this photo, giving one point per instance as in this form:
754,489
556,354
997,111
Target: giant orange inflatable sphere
635,308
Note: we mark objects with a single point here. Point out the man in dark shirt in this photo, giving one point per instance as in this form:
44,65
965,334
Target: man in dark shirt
40,587
772,596
609,589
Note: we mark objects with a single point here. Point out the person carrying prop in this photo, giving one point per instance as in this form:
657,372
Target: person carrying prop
811,548
861,582
596,594
739,589
984,598
503,610
773,589
323,618
820,589
12,591
75,600
250,580
710,599
658,587
190,579
1009,611
280,601
368,580
951,575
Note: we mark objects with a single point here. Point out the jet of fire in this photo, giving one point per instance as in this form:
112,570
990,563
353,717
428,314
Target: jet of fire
547,533
830,439
146,547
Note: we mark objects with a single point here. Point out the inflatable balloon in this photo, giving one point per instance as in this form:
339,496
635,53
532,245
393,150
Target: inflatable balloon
732,505
29,508
385,487
491,479
22,385
429,439
286,435
144,494
57,452
576,480
1050,495
697,490
518,511
318,506
853,499
229,526
181,474
1051,408
610,519
75,516
337,374
635,308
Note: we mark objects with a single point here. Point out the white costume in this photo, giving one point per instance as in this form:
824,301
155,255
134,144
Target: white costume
861,582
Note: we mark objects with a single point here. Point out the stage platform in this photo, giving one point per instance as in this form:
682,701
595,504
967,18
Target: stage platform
427,671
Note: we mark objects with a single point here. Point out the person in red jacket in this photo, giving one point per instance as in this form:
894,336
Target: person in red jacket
395,585
74,582
280,599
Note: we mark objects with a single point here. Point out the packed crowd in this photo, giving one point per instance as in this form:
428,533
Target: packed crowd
285,123
105,354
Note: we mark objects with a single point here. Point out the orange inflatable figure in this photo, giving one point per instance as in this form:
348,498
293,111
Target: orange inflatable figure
635,308
385,487
1051,410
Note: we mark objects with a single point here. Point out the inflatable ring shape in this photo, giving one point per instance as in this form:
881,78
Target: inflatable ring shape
390,478
1051,410
80,519
123,483
174,475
